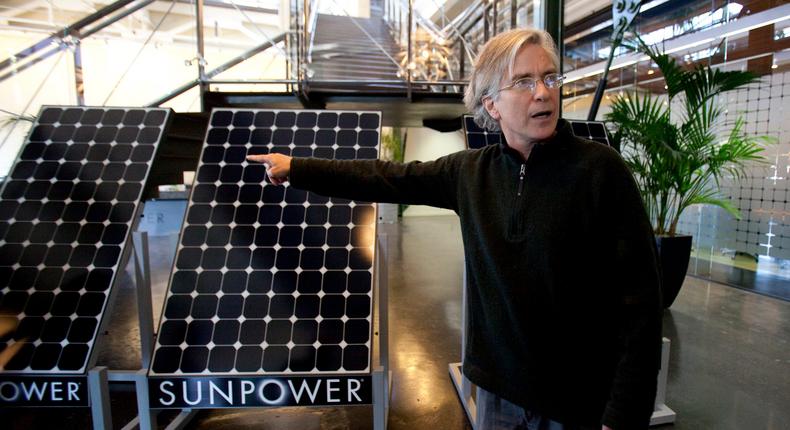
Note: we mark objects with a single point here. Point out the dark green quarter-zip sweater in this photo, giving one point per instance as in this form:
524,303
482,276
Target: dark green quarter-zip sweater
563,292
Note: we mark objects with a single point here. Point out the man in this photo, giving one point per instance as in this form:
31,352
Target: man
564,312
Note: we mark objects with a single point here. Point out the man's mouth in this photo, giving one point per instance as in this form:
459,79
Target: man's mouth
541,114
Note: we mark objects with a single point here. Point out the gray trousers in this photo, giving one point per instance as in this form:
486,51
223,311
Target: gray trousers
496,413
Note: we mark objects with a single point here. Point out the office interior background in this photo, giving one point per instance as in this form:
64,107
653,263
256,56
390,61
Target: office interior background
729,365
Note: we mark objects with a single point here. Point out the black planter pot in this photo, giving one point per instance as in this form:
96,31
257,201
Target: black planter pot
673,253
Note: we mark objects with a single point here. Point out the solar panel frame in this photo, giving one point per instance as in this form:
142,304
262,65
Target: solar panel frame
122,145
266,129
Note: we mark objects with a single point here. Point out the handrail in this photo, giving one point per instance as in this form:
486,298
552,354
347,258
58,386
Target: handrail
464,15
219,69
333,81
255,26
65,31
64,36
33,97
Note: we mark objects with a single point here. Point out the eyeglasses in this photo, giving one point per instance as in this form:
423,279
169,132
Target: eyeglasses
552,81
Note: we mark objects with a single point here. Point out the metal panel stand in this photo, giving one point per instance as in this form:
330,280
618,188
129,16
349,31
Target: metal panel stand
662,414
99,391
99,377
382,376
463,386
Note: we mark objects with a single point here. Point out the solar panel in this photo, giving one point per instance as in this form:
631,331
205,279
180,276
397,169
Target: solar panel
477,137
271,280
592,130
66,212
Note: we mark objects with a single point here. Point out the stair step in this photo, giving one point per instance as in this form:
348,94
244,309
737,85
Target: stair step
383,68
343,51
361,58
358,49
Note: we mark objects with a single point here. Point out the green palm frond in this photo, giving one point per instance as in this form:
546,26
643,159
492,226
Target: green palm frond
674,75
681,163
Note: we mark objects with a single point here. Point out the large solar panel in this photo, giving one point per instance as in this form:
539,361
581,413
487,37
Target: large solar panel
66,212
477,137
270,279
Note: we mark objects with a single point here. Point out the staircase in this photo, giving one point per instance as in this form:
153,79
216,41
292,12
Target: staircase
342,51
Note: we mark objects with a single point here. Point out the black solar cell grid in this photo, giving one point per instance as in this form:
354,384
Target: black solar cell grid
270,279
66,210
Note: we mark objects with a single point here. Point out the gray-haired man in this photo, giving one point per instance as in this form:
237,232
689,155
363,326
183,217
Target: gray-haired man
564,307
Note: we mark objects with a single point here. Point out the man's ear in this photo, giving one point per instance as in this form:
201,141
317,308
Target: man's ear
488,103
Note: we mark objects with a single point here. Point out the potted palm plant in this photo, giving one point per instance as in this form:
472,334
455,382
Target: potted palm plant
678,157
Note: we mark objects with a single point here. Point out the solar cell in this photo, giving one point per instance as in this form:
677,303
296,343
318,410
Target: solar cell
271,279
66,211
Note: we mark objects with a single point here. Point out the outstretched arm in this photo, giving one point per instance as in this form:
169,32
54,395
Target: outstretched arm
432,183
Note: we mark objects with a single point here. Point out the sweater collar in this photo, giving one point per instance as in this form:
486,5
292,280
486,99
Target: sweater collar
559,141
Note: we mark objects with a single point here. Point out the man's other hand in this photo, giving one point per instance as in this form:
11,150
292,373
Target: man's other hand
278,166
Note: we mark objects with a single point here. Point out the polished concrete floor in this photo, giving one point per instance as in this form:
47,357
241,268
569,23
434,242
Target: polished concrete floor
729,366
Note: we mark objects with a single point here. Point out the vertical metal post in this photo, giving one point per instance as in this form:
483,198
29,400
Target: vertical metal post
379,399
495,18
301,40
400,23
147,419
99,392
553,23
79,83
514,13
662,414
463,314
142,271
462,57
554,16
661,392
466,384
410,52
383,303
381,372
485,23
538,13
201,53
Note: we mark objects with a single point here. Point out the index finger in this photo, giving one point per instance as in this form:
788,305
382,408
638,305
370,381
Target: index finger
260,158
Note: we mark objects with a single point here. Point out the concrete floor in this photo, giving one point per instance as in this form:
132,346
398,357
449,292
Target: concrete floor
729,365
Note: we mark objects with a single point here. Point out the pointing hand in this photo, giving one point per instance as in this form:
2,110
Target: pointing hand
278,166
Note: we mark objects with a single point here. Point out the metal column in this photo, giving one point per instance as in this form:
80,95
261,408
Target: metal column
200,51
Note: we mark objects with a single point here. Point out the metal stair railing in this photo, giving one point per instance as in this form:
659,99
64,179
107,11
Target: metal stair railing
221,68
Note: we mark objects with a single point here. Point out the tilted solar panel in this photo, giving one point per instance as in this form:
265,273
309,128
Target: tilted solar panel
271,279
67,209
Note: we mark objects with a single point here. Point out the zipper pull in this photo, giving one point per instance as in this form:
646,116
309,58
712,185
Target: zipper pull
521,178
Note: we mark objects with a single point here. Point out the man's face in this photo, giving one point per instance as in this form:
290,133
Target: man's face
526,116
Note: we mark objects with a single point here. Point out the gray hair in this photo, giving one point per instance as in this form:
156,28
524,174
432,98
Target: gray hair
497,57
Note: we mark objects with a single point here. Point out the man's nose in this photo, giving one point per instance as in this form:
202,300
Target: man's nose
541,90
